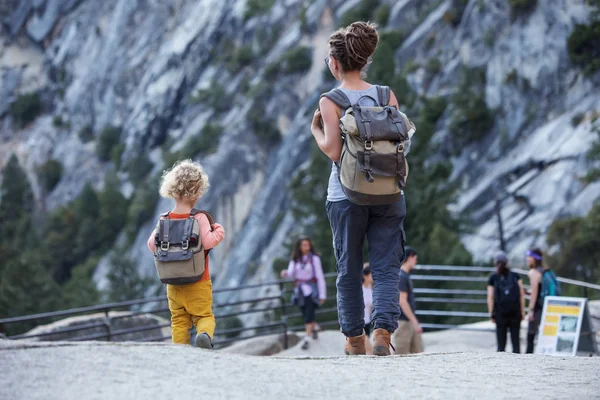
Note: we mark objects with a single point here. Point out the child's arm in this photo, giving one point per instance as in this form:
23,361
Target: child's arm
209,238
151,244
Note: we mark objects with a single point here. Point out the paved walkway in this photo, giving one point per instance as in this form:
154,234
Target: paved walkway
159,371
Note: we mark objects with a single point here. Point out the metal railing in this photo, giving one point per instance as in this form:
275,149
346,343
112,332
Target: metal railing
448,297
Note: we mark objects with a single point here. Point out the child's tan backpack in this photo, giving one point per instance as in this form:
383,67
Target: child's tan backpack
180,258
373,167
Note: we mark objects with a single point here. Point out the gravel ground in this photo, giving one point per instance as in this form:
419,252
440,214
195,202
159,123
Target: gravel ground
157,371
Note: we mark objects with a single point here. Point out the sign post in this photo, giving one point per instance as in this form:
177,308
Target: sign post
565,328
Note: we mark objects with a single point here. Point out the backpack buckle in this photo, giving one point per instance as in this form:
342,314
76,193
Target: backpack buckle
400,148
185,245
164,246
369,145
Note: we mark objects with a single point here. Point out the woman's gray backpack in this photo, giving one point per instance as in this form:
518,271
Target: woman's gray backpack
373,168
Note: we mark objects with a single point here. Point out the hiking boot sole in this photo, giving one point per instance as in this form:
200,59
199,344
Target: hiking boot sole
381,351
203,341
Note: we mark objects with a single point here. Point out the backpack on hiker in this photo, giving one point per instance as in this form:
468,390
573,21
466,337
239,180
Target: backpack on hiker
550,284
508,294
179,256
373,167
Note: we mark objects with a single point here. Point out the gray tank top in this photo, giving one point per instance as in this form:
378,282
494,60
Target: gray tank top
334,190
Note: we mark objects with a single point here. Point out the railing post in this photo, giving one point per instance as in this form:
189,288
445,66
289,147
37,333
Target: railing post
585,292
282,317
107,325
285,333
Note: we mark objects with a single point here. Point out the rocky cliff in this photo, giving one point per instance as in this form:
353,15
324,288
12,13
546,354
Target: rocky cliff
162,71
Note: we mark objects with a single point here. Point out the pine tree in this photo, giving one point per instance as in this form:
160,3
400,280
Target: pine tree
16,206
80,290
125,281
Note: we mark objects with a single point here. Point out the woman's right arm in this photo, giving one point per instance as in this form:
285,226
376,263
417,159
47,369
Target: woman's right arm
490,301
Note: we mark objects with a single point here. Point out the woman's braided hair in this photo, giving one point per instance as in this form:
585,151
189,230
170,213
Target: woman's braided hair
353,45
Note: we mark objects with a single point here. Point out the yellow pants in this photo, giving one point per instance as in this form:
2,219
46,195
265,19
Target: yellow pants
191,304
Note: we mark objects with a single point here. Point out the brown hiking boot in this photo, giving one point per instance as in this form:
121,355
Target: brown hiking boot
381,342
355,346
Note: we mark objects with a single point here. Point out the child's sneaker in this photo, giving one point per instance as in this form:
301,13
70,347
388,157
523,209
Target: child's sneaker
203,341
306,344
315,334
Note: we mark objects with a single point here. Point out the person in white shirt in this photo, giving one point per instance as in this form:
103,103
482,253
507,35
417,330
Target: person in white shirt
310,290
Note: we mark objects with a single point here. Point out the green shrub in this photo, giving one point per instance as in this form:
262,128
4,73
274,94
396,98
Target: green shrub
593,156
107,140
117,153
433,108
577,240
393,38
382,14
451,17
433,66
382,70
265,129
57,121
584,46
86,134
511,77
139,168
471,119
142,207
430,41
205,143
577,119
272,70
256,7
363,11
241,57
297,60
230,323
214,96
521,7
26,108
411,66
50,173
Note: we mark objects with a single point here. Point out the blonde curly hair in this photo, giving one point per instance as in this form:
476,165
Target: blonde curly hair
186,180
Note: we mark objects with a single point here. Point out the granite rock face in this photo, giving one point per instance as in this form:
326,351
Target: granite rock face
136,64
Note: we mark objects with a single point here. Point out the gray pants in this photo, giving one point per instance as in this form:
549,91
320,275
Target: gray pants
382,226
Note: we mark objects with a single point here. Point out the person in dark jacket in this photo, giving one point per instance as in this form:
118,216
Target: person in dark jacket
506,303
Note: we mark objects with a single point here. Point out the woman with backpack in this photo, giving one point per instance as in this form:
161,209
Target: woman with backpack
310,290
506,303
374,209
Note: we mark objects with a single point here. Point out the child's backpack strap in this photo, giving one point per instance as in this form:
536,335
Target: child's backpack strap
195,211
162,234
339,98
384,95
211,221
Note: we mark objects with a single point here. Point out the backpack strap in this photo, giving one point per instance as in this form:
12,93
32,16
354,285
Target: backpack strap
384,95
163,233
339,98
195,211
211,221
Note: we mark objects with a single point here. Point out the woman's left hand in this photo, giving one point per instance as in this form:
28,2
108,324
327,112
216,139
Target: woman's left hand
322,301
317,122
